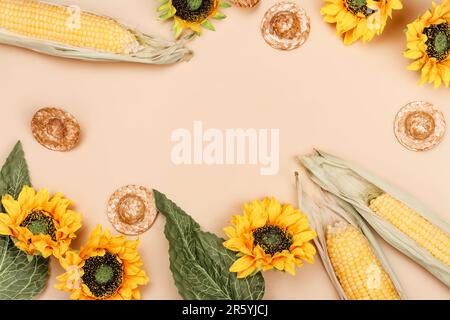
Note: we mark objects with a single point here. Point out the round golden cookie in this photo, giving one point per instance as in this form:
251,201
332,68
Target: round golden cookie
132,209
55,129
285,26
245,3
419,126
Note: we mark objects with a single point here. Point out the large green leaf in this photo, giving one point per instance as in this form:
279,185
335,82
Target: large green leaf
200,263
20,277
14,174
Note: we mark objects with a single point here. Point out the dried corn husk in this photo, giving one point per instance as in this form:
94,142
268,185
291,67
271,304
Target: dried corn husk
357,187
245,3
152,50
324,209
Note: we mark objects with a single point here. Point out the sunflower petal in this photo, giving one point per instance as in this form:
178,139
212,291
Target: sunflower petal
208,25
26,196
5,230
274,210
42,198
242,264
11,206
237,244
230,232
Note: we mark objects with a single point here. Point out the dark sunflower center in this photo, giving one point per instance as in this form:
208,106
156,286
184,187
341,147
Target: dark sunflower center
193,10
103,275
359,6
39,223
438,40
272,239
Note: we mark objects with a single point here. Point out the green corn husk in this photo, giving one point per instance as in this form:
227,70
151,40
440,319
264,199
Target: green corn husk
358,187
154,50
324,209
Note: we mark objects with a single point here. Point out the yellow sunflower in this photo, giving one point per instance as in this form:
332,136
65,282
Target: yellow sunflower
269,235
191,14
39,224
107,268
428,40
359,19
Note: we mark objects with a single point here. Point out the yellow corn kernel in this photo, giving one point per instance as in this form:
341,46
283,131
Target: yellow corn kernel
360,273
412,224
66,25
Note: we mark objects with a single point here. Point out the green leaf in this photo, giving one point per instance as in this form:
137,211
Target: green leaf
200,263
14,174
208,25
20,279
20,276
225,5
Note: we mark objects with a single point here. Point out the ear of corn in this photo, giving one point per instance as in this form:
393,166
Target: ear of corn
399,218
69,32
66,25
358,269
350,254
427,235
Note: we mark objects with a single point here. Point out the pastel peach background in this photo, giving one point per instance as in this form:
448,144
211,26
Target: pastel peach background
340,99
